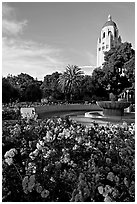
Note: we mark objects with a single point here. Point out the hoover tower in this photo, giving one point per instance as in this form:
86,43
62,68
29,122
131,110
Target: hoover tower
109,37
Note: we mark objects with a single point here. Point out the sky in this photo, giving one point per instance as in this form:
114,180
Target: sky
39,38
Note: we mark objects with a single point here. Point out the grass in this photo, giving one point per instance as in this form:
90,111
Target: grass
63,110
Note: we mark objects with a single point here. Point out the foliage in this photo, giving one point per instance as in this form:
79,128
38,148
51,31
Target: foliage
69,81
10,114
99,83
87,87
21,85
20,80
50,86
129,67
33,93
116,61
59,160
8,91
118,73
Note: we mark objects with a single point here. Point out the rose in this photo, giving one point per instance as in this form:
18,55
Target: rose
79,156
40,145
110,176
10,153
100,189
44,193
9,161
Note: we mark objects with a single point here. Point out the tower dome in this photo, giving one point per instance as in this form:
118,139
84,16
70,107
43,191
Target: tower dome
110,22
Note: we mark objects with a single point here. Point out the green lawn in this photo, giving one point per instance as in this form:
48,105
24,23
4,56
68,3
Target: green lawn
61,110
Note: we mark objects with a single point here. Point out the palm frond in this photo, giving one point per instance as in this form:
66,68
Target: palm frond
69,80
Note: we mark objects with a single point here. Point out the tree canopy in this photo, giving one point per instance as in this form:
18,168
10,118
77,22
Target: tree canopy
20,84
116,67
50,87
33,93
69,81
9,92
118,73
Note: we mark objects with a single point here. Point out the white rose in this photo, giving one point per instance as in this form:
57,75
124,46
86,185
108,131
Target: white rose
39,147
9,161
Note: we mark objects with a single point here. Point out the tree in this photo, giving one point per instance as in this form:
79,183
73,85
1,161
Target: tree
9,92
21,83
129,68
6,91
116,71
99,84
87,88
50,87
69,81
33,93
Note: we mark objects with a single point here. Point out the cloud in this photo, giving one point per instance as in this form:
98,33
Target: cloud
20,55
12,27
30,57
6,10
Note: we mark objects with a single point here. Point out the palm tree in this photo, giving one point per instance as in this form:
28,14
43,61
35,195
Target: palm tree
69,81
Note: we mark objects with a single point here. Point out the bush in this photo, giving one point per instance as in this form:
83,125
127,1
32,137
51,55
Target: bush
10,114
59,160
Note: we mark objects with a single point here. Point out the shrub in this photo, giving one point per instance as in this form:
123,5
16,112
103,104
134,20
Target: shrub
59,160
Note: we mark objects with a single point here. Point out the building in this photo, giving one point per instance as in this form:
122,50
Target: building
109,37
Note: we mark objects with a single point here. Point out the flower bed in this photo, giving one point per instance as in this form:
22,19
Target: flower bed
10,114
59,160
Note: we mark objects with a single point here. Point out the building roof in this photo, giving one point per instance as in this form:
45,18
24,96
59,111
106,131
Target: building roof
110,22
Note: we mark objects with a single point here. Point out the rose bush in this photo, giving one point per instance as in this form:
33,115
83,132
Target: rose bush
59,160
10,114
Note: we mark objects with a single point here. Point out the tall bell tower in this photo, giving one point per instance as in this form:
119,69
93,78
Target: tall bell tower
109,37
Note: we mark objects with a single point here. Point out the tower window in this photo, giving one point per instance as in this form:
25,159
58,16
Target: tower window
109,32
99,49
106,46
104,35
115,33
103,47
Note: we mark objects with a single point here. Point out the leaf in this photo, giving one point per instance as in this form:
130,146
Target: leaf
25,183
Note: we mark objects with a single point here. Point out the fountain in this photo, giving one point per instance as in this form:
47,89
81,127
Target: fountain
113,108
112,111
102,113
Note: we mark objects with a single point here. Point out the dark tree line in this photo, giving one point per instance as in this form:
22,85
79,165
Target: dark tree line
20,88
117,73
